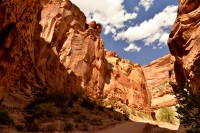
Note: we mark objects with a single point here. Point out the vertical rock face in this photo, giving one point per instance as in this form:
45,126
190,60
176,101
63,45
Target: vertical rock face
125,82
47,44
76,45
184,44
158,70
158,74
18,35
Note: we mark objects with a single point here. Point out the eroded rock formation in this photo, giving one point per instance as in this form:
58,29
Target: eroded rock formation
48,45
125,82
184,44
158,74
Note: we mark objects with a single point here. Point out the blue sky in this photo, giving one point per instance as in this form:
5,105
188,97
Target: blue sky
135,29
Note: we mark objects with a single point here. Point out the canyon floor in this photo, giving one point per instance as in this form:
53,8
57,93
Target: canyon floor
137,127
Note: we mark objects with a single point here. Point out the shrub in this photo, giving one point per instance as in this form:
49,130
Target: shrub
82,127
51,128
96,121
142,114
111,108
20,127
68,127
47,110
33,127
79,118
166,114
100,108
133,112
58,98
87,103
125,112
5,118
73,98
126,117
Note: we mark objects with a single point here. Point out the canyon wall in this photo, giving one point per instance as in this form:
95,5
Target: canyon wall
184,44
159,73
48,45
125,83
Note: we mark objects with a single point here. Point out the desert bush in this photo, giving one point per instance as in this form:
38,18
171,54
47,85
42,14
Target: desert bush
126,114
20,127
51,128
100,108
118,117
73,98
87,103
5,118
96,121
166,114
33,126
68,127
142,114
133,112
79,118
82,127
58,98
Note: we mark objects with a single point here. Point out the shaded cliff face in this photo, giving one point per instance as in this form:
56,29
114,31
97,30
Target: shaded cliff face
48,45
125,83
184,44
158,74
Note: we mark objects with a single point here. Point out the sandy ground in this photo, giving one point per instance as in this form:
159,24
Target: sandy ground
159,100
134,127
125,127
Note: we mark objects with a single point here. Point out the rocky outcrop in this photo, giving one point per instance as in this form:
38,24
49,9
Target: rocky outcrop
125,83
48,45
184,44
158,74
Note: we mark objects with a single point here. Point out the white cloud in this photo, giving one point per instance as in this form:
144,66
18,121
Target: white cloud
151,30
146,4
136,9
110,13
132,48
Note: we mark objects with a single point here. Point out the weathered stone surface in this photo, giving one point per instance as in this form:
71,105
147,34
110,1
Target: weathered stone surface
47,44
184,44
158,74
125,82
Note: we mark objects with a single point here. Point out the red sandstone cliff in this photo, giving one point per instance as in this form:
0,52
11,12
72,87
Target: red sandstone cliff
48,45
158,74
184,44
125,82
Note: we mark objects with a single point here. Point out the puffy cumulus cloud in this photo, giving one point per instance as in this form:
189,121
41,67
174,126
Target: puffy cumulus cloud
146,4
151,30
132,48
110,13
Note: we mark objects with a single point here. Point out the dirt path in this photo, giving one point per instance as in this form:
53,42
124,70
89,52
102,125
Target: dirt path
134,127
126,127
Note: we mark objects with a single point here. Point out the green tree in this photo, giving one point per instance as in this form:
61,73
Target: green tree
188,108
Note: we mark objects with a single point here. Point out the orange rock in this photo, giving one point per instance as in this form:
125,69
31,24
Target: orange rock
184,44
53,49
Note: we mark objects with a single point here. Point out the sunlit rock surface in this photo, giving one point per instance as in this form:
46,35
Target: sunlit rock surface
184,44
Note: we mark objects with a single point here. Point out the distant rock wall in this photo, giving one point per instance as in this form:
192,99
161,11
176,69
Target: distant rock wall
125,83
47,44
184,44
158,74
